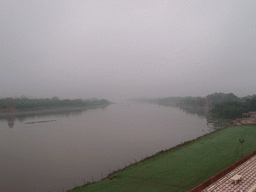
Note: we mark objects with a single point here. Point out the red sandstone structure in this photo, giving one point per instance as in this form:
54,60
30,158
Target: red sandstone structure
10,119
10,107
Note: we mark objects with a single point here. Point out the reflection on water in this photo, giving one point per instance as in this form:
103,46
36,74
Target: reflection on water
10,118
200,113
40,154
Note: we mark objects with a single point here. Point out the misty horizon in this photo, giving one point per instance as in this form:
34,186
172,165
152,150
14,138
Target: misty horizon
117,50
130,98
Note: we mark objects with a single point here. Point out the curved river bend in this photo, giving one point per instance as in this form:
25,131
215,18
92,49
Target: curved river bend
56,152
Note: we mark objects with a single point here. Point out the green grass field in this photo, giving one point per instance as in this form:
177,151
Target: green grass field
182,168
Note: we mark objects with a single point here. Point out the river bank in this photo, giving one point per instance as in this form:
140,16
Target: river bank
182,167
50,110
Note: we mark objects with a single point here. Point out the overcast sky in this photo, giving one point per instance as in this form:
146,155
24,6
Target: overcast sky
117,49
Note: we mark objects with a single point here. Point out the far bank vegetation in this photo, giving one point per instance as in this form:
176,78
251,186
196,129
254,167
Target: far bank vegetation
25,104
218,105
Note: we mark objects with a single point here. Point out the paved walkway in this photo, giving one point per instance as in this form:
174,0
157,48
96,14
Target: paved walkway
247,170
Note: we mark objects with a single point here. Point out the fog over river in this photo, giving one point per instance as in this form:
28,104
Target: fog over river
54,152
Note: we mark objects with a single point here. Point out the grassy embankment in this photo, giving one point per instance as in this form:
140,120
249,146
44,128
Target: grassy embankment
181,168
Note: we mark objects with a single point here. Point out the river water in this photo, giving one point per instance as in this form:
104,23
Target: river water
56,152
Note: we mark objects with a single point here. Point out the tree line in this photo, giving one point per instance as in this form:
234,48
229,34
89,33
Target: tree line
225,105
234,109
26,104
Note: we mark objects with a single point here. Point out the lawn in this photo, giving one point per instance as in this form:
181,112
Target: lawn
181,168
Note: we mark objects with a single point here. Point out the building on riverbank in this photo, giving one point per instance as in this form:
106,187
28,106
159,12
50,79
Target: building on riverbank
10,106
251,114
224,180
249,119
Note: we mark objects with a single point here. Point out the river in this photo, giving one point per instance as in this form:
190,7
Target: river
56,152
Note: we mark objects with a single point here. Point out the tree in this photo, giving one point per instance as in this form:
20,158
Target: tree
55,98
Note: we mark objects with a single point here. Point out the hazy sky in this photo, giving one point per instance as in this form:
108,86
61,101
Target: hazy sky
116,49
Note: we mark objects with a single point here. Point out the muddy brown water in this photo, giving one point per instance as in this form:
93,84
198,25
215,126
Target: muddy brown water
56,152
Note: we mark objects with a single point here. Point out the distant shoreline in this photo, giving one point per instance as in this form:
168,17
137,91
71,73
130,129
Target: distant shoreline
51,110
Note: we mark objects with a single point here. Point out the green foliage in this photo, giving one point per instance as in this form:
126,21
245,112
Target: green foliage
217,98
251,103
29,104
233,109
3,103
194,102
224,105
